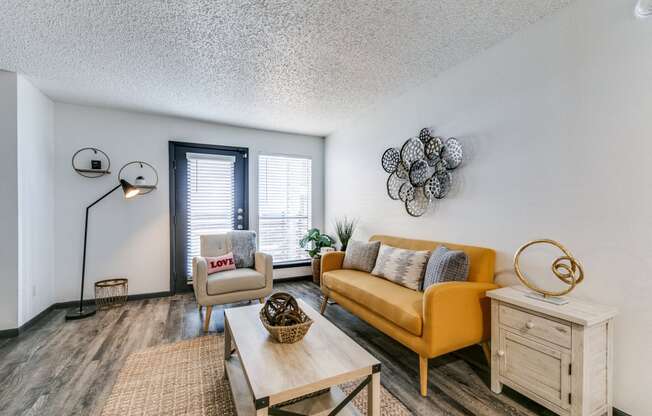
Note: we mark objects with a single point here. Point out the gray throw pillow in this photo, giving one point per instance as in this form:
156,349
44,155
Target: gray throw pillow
446,266
243,245
361,256
401,266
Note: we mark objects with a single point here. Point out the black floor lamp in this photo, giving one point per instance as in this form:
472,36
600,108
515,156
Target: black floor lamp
129,191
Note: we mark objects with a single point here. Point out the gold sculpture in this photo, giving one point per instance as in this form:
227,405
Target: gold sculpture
566,268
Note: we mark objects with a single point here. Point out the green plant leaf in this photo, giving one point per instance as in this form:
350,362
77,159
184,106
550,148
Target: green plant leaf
324,241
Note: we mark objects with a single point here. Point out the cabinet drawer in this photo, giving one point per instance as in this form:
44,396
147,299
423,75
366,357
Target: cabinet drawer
530,325
535,367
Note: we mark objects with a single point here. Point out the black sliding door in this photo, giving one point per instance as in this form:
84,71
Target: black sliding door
208,195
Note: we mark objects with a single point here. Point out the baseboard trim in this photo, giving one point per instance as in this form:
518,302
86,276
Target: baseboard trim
289,265
24,327
138,296
293,278
9,333
14,332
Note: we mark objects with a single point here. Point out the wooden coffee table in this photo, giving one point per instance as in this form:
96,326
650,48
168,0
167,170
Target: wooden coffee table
264,373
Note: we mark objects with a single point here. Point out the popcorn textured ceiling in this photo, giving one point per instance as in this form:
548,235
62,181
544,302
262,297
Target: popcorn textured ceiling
300,66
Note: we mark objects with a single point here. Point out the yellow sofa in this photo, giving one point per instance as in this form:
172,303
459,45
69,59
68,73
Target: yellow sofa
446,317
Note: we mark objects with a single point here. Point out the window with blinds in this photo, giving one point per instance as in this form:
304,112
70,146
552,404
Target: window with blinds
284,206
210,198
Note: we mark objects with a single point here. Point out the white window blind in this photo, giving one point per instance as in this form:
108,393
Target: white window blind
211,193
284,206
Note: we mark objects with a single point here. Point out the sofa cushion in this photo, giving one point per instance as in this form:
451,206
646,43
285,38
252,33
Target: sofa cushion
361,256
236,280
397,304
446,265
404,267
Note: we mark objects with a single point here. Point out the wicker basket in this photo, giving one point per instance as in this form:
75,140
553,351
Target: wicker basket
287,334
111,293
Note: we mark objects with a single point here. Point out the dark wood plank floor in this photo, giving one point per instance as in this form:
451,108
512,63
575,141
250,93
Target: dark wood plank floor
68,368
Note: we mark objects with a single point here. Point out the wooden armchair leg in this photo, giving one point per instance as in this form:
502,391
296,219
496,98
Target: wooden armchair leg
423,375
324,303
207,317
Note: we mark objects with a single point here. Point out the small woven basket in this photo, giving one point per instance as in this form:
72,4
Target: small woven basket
287,334
111,293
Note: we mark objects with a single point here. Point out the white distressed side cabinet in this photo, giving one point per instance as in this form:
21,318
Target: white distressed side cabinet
560,356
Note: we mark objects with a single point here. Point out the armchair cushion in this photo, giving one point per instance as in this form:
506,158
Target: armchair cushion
236,280
397,304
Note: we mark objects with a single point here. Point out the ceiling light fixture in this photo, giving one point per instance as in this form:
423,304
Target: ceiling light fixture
644,8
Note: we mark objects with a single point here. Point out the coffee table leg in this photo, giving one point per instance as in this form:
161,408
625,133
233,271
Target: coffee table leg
373,395
227,342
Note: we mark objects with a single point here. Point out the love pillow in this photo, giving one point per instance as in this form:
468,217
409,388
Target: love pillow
220,263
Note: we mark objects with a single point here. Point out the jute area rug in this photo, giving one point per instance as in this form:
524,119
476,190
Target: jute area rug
187,378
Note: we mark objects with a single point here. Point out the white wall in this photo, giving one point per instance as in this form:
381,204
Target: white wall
35,201
8,202
556,123
131,238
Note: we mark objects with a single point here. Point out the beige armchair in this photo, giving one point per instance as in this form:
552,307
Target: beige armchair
228,286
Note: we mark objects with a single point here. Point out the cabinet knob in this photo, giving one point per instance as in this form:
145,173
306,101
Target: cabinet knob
501,353
529,325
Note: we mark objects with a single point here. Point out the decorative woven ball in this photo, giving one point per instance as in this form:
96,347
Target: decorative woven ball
289,318
279,307
283,319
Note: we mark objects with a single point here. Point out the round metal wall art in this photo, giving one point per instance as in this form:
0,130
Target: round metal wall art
401,171
406,192
425,134
445,180
433,148
418,205
452,153
432,188
421,170
391,159
393,185
412,151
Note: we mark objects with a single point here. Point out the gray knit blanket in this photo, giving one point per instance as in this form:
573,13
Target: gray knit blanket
243,244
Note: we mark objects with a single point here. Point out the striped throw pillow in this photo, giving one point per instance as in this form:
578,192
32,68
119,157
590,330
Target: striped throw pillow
404,267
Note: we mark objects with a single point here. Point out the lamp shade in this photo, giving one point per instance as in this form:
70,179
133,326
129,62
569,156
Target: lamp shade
129,190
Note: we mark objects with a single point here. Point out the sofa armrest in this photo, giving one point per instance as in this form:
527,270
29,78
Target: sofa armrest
199,278
455,315
264,265
331,260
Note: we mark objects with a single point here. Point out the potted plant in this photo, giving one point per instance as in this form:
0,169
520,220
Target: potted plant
313,242
344,229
